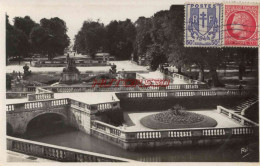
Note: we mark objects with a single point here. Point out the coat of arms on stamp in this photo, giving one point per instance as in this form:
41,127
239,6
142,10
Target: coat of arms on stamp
241,25
203,25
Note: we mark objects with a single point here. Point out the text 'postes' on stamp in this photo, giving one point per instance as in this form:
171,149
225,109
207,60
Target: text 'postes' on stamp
221,25
203,25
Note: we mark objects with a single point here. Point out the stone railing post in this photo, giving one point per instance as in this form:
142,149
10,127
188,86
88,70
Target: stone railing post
242,121
230,115
123,135
218,109
107,129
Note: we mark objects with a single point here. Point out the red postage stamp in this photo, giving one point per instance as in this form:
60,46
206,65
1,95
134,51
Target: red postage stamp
241,25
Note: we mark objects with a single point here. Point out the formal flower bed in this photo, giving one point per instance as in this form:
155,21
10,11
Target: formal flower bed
177,118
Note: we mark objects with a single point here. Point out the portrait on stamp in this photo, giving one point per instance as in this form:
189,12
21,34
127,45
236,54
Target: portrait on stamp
241,24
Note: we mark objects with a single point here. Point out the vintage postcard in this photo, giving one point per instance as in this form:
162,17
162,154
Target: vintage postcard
130,81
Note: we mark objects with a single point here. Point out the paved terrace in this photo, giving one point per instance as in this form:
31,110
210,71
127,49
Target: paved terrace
132,120
158,75
20,157
126,65
85,97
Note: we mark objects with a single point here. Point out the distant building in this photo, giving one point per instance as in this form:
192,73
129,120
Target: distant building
104,57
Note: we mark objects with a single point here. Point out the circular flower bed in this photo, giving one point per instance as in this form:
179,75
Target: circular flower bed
173,119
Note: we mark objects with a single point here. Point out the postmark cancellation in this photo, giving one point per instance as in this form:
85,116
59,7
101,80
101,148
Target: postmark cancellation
221,25
240,25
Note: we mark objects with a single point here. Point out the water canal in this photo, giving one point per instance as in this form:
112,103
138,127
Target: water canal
69,137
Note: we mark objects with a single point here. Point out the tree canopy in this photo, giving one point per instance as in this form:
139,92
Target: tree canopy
25,36
91,38
117,38
17,44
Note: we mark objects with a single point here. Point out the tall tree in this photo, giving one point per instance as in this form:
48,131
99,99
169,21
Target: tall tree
176,50
120,36
143,36
24,24
156,55
52,35
159,33
91,38
17,44
10,38
38,39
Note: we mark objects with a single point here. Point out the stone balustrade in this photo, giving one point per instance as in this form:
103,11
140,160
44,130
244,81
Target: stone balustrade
171,133
57,153
237,118
31,89
10,95
42,90
105,106
10,107
62,102
38,104
96,107
186,86
105,128
186,93
186,79
64,89
134,95
40,96
80,105
156,94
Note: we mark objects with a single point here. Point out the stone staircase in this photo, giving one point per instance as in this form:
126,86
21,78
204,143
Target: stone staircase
238,109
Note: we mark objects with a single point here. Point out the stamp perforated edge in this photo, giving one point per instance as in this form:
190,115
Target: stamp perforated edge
221,26
258,28
222,19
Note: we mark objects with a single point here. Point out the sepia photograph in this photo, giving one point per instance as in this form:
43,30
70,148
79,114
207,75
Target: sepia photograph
130,81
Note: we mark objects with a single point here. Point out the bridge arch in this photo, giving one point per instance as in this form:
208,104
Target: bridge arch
45,123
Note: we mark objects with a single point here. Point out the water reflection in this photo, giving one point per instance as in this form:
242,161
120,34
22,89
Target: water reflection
54,131
79,140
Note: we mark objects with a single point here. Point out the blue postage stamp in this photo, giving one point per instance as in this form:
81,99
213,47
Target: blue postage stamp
203,25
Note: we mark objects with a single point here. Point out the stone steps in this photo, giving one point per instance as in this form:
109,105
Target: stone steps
245,104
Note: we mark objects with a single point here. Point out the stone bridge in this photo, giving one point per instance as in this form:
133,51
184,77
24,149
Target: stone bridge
75,112
72,112
21,114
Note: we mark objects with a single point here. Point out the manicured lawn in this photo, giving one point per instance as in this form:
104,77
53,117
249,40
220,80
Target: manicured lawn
44,78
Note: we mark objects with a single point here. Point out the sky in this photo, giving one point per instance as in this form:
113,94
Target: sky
74,13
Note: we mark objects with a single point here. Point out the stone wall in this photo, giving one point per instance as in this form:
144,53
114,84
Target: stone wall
80,119
189,102
57,153
131,140
12,95
60,64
